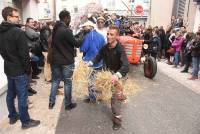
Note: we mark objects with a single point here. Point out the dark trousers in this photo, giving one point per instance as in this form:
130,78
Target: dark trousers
188,61
62,72
17,86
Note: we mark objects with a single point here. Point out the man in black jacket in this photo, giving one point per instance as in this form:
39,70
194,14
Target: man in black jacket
14,50
63,53
115,60
195,52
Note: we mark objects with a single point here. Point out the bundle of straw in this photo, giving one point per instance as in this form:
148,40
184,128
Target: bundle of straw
80,79
104,85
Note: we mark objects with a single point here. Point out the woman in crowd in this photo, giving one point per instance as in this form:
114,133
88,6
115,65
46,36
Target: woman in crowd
177,43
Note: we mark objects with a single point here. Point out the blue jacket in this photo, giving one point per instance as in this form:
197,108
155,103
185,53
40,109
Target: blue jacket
92,43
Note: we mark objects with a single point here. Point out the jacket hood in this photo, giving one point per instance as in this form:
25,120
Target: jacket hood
5,26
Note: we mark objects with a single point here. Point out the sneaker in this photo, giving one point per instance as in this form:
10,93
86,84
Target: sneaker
30,94
33,81
51,105
87,100
31,123
35,77
184,71
32,90
116,126
14,120
60,86
70,106
193,78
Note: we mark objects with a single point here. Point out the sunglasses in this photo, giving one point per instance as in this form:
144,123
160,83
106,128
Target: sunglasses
15,16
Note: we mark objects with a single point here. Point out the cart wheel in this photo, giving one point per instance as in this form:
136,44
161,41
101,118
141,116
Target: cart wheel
150,67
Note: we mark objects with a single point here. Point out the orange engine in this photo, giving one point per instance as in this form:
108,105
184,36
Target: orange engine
133,48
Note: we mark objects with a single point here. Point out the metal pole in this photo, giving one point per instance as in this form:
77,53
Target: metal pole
54,8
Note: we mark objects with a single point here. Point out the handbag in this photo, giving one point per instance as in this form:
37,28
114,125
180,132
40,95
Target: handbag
171,50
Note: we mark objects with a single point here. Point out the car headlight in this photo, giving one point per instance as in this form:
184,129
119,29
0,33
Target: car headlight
145,46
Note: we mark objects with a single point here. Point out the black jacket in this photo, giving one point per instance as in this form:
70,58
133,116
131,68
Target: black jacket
63,45
115,59
162,36
14,50
196,49
154,44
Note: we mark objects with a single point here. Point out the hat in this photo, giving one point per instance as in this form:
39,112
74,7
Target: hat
88,23
100,18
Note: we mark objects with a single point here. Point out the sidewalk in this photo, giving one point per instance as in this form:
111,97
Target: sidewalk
39,111
182,78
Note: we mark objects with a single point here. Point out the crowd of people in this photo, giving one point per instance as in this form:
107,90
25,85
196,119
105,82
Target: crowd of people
53,46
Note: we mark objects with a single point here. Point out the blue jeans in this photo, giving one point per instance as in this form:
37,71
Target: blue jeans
17,86
195,65
177,58
62,72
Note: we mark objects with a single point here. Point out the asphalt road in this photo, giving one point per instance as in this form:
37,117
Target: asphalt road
163,106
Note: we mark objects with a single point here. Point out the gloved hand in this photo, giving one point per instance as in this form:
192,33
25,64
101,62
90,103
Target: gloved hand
90,63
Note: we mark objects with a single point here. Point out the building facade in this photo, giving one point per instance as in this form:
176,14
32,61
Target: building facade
37,9
197,16
161,12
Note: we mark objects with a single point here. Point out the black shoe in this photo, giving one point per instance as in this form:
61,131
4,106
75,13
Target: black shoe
71,106
14,120
116,126
184,71
59,87
51,105
30,94
31,123
87,100
35,77
32,90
